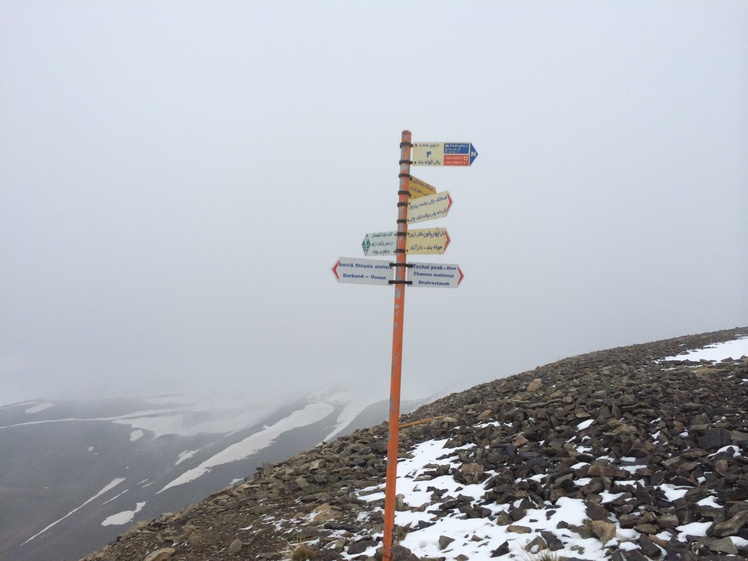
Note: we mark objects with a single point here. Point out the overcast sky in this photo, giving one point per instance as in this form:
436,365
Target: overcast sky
177,179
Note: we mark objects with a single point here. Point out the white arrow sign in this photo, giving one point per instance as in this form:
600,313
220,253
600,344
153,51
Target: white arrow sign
363,271
435,275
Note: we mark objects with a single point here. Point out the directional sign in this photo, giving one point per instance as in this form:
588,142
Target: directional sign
443,154
427,241
435,275
363,271
420,188
380,243
424,241
429,207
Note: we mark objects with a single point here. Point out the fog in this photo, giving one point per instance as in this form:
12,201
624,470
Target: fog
178,178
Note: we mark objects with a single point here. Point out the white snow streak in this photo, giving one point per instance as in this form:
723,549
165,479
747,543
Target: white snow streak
106,488
252,444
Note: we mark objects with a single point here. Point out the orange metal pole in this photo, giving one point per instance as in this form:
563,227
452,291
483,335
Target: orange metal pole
397,346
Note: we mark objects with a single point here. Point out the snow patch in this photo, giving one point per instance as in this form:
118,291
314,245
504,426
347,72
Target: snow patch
311,414
124,517
673,493
695,529
136,435
729,349
39,407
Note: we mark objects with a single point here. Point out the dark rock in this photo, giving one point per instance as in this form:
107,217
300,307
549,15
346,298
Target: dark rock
361,546
597,512
649,548
678,551
444,542
551,540
400,553
723,545
635,555
715,438
503,549
732,526
668,521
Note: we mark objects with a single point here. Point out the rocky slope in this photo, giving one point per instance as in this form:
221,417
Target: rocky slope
655,451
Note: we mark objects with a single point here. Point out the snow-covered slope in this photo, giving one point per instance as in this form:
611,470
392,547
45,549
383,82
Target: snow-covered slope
481,538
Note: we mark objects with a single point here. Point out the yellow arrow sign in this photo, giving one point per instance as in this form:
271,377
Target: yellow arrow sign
429,207
420,188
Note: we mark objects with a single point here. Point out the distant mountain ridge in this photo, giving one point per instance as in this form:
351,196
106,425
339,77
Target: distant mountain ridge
73,474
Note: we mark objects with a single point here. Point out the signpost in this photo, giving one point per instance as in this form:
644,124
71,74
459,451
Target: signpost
362,271
424,241
435,275
429,207
443,154
417,201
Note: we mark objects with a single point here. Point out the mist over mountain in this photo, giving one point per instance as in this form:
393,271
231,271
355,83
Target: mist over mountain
74,474
635,453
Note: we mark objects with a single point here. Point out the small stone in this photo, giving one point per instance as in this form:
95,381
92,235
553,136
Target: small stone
604,531
517,514
668,521
597,512
635,555
649,548
724,545
503,549
534,385
402,553
444,542
536,545
473,473
235,546
324,513
484,416
361,546
399,502
715,438
647,528
732,526
160,554
553,542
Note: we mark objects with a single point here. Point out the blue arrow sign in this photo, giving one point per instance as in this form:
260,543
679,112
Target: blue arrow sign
443,154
